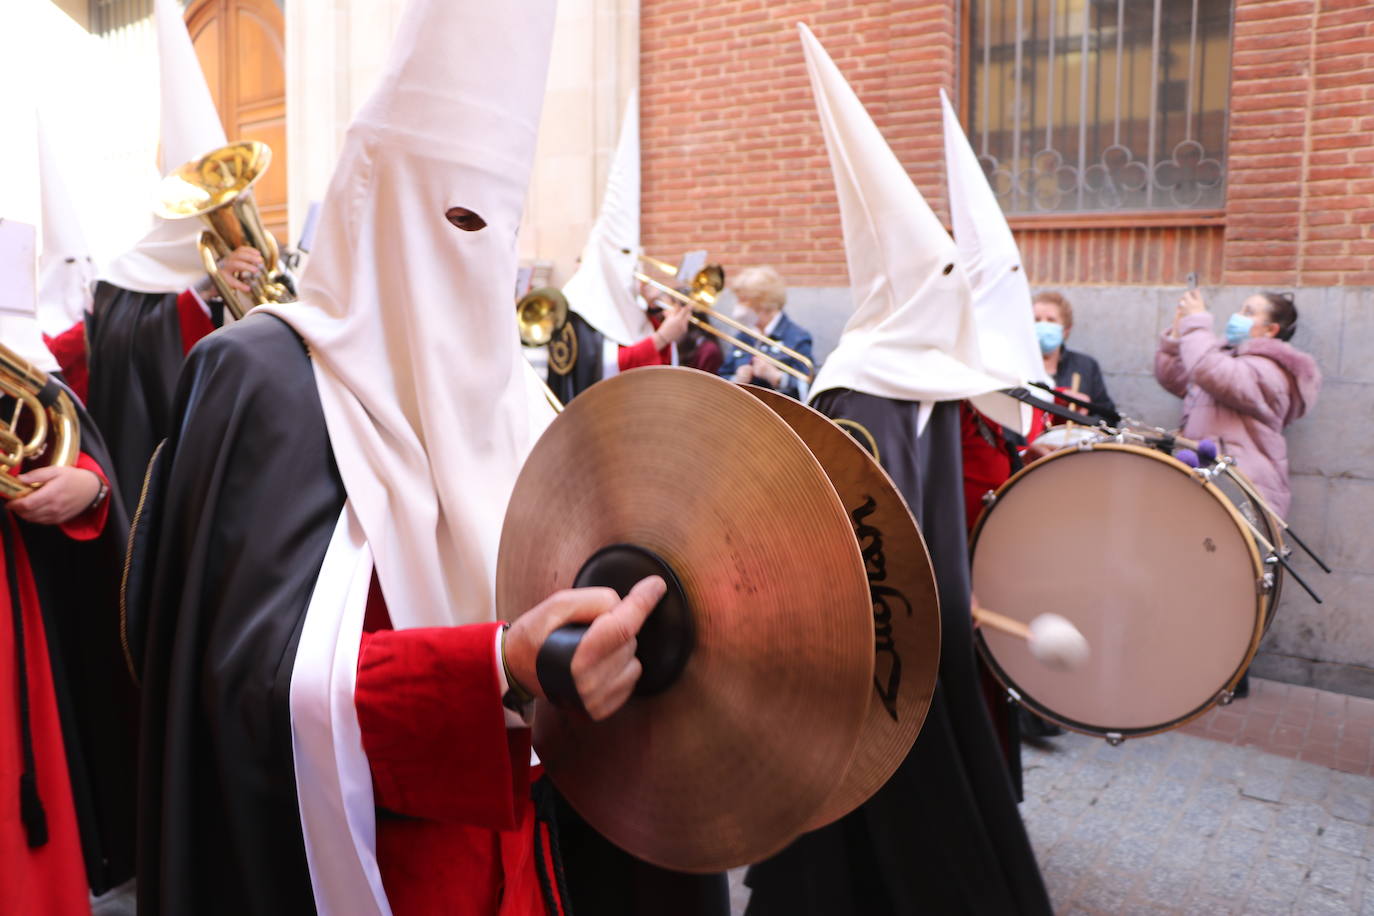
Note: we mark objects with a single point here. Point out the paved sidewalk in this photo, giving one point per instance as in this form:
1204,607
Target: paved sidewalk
1261,808
1182,824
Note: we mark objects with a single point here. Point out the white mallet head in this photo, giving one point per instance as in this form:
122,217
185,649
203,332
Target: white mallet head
1056,643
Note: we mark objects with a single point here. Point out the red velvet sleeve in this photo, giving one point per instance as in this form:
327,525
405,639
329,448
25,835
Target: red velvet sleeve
69,349
434,729
643,354
195,323
88,525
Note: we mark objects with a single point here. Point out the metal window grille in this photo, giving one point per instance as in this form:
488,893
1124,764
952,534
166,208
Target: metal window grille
1099,105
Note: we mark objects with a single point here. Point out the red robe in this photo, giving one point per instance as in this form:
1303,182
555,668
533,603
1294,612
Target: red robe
642,353
986,463
69,349
50,879
455,826
195,321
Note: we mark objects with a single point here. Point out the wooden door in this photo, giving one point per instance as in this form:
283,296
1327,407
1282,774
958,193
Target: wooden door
242,50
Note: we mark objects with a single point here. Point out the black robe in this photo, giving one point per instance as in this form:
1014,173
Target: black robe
135,354
78,591
245,496
944,834
576,351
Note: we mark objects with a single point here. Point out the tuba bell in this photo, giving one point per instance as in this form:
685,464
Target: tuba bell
217,187
541,314
53,431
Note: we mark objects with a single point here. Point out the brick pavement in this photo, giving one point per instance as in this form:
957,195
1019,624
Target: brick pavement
1264,807
1303,723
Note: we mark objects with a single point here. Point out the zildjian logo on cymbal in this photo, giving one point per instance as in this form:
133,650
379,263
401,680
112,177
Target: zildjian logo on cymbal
885,598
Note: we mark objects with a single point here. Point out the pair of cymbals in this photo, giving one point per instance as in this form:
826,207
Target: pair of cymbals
779,722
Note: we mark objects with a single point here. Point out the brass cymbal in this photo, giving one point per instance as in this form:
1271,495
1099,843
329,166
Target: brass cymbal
906,603
731,762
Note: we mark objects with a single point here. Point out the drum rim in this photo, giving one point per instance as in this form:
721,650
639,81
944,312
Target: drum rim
1262,606
1275,534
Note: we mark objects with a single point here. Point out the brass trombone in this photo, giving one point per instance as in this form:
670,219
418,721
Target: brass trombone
217,187
55,430
706,288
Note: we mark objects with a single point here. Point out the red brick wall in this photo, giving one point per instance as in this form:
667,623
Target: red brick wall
734,160
1301,193
733,157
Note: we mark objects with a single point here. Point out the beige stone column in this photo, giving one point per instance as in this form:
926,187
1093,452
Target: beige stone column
595,66
336,49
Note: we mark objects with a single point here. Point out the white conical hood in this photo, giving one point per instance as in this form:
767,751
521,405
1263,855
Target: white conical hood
409,319
602,289
166,259
911,336
1001,293
65,268
19,294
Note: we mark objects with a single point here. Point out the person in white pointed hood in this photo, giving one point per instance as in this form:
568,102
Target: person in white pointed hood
944,835
154,302
333,715
608,330
994,425
66,272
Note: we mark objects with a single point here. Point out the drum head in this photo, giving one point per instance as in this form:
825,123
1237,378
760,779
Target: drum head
1150,564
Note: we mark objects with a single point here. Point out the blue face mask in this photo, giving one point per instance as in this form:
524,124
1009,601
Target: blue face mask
1051,336
1238,328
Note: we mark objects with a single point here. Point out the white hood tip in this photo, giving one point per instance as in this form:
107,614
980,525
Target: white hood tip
912,335
1001,291
66,271
19,294
166,260
601,290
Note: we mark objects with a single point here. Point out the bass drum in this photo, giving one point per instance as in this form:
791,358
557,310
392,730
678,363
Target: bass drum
1241,491
1153,565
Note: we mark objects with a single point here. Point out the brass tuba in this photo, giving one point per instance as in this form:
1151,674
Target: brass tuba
217,187
541,314
54,434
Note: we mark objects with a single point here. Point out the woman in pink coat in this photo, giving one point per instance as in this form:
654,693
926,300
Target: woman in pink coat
1244,389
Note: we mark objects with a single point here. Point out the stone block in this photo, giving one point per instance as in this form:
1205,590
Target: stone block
1349,520
1336,871
1265,778
1323,315
1253,815
1318,902
1345,836
1116,325
1357,334
1351,798
1333,439
1334,632
822,310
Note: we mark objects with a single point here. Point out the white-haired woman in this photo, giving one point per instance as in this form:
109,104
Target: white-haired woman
760,295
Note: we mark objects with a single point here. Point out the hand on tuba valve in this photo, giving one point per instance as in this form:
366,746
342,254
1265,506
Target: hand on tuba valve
41,424
217,187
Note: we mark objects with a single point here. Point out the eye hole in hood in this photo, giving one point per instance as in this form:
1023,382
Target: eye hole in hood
465,219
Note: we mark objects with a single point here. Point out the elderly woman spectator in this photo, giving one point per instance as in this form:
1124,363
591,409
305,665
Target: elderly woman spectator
761,295
1074,373
1243,389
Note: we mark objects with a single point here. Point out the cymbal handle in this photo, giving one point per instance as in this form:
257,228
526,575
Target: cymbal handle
553,666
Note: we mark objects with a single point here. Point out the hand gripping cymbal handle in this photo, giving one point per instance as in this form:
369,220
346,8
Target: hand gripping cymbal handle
664,644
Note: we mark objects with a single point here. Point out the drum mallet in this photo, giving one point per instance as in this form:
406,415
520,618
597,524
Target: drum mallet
1053,641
